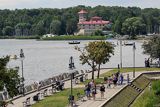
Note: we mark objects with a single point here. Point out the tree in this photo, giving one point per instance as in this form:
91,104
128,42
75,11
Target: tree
9,78
55,27
133,26
1,32
8,31
152,47
117,26
98,33
40,30
22,29
71,26
104,51
95,53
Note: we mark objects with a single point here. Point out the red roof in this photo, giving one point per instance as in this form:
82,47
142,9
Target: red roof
82,11
100,22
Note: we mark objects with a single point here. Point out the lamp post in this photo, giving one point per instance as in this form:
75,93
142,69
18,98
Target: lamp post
22,80
134,48
120,53
71,67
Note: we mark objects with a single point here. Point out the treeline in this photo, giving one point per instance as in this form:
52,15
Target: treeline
24,22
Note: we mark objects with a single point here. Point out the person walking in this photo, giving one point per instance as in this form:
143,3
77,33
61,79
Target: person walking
128,79
121,79
115,80
109,82
102,90
88,91
94,92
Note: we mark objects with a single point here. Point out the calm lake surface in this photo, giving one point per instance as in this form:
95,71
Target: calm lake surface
44,59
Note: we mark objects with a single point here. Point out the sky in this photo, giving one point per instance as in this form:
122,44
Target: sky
29,4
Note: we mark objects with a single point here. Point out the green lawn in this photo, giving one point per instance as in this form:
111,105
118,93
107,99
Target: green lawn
124,70
75,38
59,99
148,97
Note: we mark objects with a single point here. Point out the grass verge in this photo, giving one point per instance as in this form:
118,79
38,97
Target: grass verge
58,99
75,38
149,98
124,70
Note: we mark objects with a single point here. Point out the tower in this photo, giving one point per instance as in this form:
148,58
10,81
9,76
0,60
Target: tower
82,15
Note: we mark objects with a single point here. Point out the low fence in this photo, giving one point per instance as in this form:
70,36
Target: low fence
48,83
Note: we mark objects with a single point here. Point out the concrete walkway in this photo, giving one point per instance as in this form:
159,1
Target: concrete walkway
109,93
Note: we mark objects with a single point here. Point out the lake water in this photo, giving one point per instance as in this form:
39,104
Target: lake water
44,59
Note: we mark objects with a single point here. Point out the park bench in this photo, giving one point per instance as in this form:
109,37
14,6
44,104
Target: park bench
53,88
27,103
36,97
45,93
154,65
82,72
71,100
80,97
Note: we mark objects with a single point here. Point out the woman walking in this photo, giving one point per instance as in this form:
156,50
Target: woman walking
102,90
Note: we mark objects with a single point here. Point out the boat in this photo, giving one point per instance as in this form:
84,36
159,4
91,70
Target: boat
128,44
13,56
74,42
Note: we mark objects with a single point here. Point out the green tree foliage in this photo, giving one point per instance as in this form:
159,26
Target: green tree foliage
71,26
55,27
152,47
8,31
104,50
8,77
41,19
22,29
98,33
133,26
95,53
39,28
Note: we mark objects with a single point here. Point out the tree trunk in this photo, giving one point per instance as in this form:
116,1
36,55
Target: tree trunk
93,68
99,66
93,73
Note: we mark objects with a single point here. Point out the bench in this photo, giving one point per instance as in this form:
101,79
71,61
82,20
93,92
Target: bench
45,93
154,65
80,97
27,103
36,97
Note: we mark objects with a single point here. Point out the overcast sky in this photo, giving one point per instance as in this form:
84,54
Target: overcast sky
20,4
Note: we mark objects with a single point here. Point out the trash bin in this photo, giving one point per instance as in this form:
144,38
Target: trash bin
71,98
81,79
35,98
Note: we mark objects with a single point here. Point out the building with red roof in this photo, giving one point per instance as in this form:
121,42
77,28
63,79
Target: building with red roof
89,27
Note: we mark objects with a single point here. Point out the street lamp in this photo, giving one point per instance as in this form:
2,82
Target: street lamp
134,48
22,80
120,53
71,67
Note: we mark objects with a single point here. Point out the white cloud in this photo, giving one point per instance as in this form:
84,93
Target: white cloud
12,4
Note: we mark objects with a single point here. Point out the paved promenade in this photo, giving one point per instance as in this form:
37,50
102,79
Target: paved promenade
109,93
87,103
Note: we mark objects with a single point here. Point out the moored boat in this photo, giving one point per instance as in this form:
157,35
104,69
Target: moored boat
74,42
128,44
